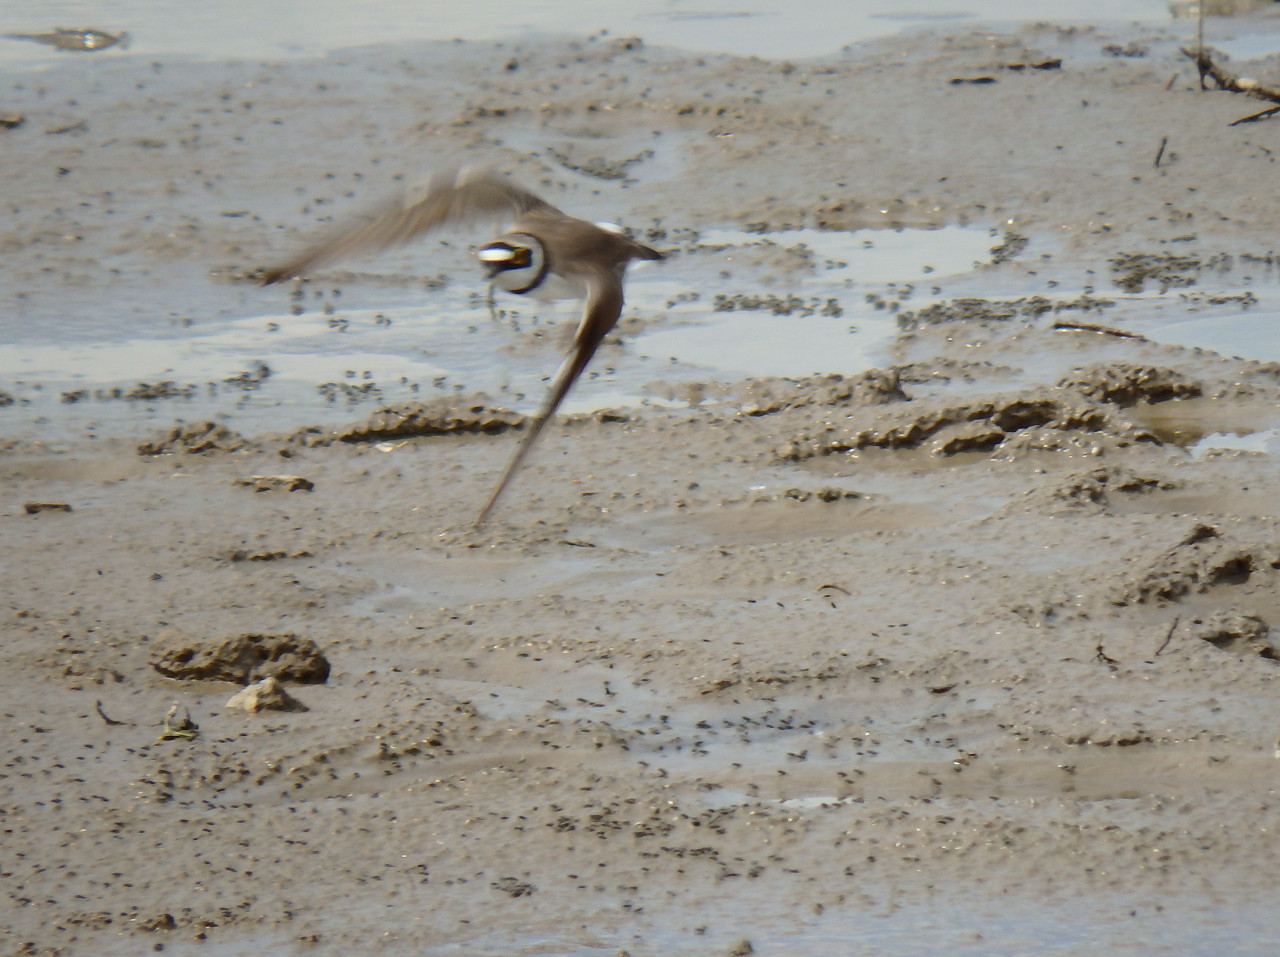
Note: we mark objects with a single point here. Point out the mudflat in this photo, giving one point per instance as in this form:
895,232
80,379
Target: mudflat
971,652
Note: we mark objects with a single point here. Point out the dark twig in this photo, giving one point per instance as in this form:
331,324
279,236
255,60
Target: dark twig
1169,637
103,715
1104,657
1253,118
1164,141
1063,326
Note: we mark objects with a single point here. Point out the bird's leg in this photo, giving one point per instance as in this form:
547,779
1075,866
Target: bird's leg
580,353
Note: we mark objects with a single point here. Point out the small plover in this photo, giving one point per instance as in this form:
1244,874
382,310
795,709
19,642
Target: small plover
546,254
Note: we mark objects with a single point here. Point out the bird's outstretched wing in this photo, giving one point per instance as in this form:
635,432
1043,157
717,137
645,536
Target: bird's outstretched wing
450,199
600,314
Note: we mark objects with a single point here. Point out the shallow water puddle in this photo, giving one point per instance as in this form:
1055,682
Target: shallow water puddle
830,321
1267,441
877,255
768,28
275,371
1255,335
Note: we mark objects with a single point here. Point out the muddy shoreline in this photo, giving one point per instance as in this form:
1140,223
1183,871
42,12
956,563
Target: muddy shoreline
972,651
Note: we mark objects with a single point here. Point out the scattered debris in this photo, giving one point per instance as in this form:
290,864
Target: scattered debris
1234,84
1132,49
194,439
1010,247
1049,63
33,508
251,378
828,494
778,305
1167,270
11,121
969,309
271,483
176,726
262,555
513,886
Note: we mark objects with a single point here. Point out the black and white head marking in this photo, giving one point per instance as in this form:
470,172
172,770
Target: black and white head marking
518,267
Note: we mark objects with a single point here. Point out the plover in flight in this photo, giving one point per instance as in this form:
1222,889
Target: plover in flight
546,254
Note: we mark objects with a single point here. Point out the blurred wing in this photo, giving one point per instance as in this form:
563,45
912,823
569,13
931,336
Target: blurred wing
450,199
603,307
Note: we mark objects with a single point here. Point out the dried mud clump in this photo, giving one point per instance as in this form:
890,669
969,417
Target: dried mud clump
195,439
275,483
945,369
419,420
1235,631
873,387
1202,559
243,658
1124,383
1009,424
1095,488
599,167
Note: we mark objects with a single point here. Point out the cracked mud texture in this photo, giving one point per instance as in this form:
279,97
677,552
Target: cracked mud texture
983,643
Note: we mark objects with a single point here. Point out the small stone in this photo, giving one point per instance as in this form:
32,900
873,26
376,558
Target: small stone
266,695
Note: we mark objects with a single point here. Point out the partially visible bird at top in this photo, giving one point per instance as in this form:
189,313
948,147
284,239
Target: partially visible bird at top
61,38
545,253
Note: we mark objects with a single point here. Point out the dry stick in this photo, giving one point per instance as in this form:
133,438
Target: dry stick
1167,638
1164,141
103,715
1255,117
1200,38
1104,657
1101,330
1234,84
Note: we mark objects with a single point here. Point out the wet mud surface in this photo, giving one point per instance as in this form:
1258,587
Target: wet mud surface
971,652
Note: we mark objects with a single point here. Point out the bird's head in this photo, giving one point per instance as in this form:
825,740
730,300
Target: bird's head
514,264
